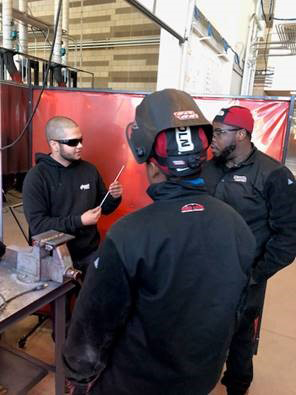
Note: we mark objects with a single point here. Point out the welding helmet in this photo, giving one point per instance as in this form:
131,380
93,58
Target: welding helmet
170,130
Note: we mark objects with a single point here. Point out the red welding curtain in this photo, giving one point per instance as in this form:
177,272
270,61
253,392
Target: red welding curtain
14,112
103,117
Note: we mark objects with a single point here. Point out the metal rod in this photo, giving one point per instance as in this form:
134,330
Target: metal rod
118,175
36,288
58,14
106,43
18,222
277,54
155,19
263,43
46,61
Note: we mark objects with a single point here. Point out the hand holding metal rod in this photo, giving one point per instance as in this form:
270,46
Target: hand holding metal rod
116,178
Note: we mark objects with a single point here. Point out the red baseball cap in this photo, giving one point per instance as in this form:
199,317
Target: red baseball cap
236,116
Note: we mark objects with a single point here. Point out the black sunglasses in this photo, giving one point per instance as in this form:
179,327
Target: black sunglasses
70,142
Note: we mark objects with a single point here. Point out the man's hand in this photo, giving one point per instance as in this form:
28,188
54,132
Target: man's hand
90,217
115,189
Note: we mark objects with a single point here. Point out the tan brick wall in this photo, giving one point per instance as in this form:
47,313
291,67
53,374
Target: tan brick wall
132,67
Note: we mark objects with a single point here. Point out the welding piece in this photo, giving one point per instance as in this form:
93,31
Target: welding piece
4,302
118,175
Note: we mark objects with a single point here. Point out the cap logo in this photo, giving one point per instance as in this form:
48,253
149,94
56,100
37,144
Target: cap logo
185,115
184,139
191,207
179,162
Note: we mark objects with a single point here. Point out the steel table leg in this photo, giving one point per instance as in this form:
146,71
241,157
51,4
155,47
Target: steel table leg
59,342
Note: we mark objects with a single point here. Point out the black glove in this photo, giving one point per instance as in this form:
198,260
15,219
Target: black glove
79,389
255,300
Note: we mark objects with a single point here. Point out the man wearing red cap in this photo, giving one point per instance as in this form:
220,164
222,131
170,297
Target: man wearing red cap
263,191
159,307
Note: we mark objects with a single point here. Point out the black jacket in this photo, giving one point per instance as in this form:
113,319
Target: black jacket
55,196
157,310
263,191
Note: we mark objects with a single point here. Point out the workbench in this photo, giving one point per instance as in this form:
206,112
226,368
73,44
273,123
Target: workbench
19,371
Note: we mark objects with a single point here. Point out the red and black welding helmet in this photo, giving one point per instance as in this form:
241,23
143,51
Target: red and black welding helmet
170,128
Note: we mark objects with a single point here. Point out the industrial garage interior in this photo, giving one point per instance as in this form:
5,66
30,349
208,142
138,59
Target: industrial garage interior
94,61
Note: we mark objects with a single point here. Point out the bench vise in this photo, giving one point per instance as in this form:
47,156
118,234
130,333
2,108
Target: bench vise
47,259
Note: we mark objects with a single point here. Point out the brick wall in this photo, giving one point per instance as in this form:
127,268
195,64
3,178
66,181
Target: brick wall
129,67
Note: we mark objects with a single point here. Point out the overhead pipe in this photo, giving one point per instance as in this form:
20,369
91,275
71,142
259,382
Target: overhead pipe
277,54
268,43
155,19
185,46
249,67
65,28
75,48
23,28
251,53
7,23
105,43
57,46
31,20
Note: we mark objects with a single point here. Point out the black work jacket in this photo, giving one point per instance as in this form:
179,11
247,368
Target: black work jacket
55,197
263,191
157,310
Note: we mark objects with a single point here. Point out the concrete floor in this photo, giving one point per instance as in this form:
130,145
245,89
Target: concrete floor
275,364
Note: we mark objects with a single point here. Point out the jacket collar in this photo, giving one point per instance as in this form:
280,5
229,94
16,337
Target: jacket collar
251,158
248,161
173,190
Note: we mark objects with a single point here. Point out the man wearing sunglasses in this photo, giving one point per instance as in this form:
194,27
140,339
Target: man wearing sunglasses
263,191
63,192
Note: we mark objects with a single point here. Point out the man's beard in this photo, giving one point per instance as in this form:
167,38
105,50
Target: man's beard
67,156
223,158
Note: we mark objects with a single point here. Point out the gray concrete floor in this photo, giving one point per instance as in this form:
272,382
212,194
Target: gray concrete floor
275,364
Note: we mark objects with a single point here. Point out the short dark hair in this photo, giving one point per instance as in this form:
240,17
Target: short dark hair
55,127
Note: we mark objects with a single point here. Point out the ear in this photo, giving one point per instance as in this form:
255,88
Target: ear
242,134
53,145
154,174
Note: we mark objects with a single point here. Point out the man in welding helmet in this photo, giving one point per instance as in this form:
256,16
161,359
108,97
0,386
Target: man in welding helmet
159,306
263,191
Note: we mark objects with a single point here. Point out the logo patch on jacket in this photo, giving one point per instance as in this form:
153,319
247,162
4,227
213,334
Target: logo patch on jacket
185,115
239,178
84,187
96,262
190,207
